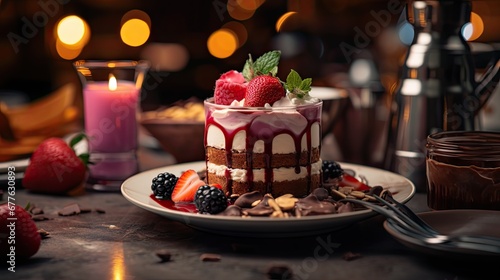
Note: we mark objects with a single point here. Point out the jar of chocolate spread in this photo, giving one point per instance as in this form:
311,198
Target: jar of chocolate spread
463,170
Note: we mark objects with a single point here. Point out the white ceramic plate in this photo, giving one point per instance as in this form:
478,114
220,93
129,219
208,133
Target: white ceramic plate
469,222
137,189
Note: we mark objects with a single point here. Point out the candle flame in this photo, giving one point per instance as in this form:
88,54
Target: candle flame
112,83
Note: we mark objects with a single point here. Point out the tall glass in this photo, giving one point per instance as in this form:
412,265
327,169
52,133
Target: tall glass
111,91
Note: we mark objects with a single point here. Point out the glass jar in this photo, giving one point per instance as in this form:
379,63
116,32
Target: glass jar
463,170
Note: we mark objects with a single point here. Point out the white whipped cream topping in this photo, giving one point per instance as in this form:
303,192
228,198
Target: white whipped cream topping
279,174
285,101
288,101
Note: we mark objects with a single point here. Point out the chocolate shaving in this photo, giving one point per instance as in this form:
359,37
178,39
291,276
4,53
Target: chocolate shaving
43,233
261,209
279,271
36,210
321,193
210,257
84,210
345,207
39,217
71,209
311,205
164,255
231,210
350,256
246,200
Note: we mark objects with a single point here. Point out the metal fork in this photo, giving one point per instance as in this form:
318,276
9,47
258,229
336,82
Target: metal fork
408,223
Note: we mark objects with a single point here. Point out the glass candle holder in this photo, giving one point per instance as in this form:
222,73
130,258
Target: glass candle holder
463,170
111,91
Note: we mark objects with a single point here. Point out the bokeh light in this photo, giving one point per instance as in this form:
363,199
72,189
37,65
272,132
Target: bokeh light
283,19
66,52
467,30
361,72
72,33
250,5
136,14
238,11
166,57
71,30
134,32
222,43
406,33
477,26
239,30
290,44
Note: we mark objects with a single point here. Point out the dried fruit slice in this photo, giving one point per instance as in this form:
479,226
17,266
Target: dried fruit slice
350,181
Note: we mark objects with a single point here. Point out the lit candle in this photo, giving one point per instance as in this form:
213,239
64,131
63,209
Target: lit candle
110,115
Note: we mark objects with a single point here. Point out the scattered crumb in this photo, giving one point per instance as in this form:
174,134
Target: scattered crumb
350,256
69,210
40,217
164,255
210,257
43,233
36,211
85,210
279,271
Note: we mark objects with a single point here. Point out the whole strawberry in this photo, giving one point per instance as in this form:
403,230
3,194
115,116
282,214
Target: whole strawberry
229,87
54,167
262,90
19,237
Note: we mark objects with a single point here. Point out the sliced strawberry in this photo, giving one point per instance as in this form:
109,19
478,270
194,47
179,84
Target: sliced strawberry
229,87
350,181
216,185
186,186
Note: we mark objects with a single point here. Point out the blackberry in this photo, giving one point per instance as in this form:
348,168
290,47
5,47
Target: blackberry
331,170
209,199
163,184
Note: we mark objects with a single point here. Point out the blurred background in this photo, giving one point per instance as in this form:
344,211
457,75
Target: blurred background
356,45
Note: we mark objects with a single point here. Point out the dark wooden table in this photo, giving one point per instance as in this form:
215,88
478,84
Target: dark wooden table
121,244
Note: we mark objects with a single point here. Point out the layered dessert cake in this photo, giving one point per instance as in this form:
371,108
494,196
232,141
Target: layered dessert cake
263,134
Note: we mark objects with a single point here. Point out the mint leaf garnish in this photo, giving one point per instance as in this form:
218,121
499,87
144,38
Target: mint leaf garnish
297,87
305,85
267,64
248,69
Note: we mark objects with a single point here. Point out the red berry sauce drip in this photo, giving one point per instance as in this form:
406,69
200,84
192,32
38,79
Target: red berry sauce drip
187,207
260,130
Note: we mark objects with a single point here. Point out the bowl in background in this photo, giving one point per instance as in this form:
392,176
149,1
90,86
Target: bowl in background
178,129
